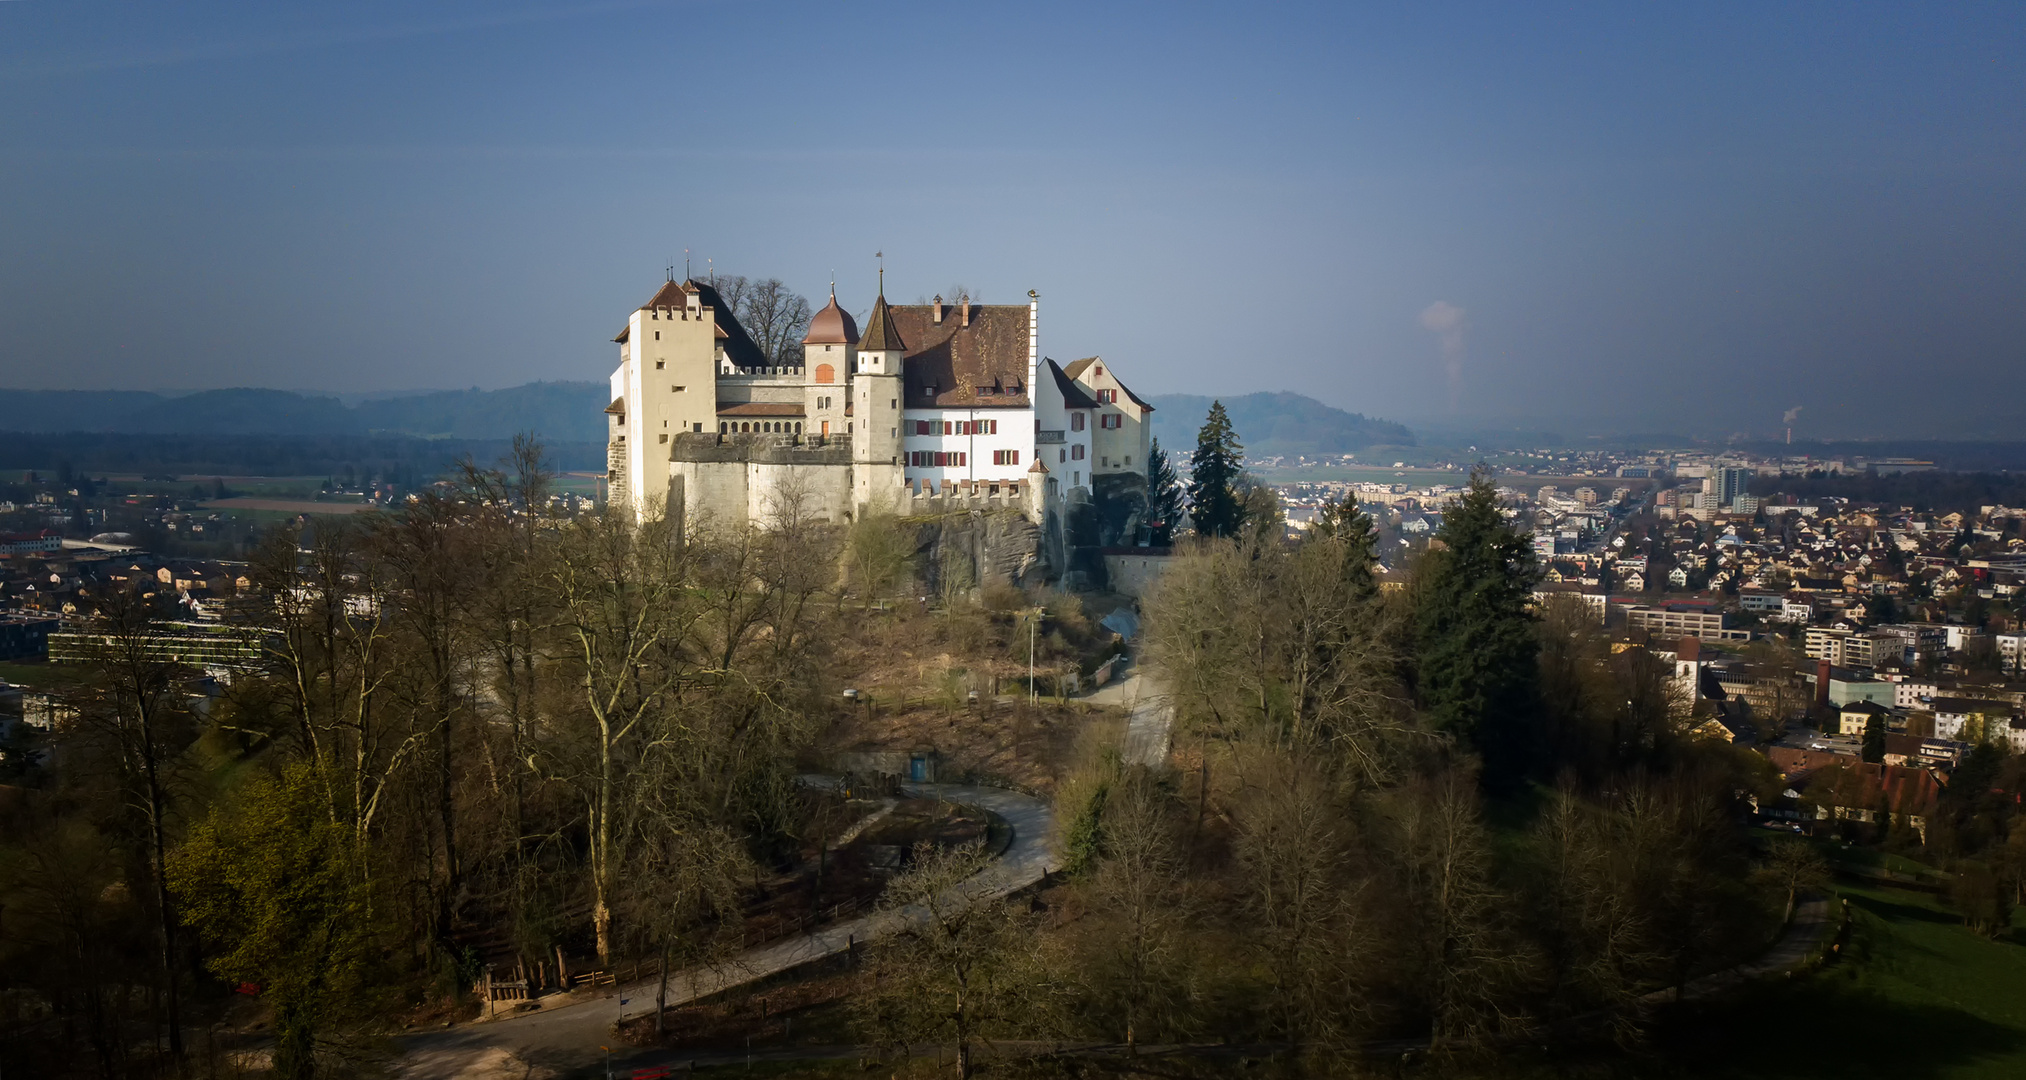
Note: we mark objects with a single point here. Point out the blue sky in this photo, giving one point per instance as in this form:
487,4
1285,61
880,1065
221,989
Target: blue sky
1632,215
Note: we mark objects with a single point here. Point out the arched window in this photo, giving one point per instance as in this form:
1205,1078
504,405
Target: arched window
825,373
723,428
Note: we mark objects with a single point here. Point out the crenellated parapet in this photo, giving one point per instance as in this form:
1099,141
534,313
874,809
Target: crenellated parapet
923,498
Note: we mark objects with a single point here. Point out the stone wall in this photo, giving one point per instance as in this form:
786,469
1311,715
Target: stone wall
1133,571
757,478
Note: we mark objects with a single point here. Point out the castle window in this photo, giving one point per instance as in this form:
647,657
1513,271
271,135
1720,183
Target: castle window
664,436
660,364
824,372
1129,460
1076,421
657,335
1076,452
723,428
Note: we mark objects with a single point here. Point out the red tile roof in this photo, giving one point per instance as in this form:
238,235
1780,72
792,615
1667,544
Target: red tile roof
956,360
759,408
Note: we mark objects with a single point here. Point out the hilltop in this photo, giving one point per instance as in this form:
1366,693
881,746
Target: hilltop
1276,424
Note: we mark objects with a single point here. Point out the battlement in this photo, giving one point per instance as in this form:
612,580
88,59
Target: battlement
921,498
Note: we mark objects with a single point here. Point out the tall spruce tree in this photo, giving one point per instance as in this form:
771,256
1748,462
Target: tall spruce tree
1476,668
1214,503
1164,496
1351,528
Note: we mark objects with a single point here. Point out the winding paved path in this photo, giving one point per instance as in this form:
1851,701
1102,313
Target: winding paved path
568,1036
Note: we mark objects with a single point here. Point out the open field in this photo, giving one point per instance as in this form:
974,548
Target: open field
287,506
1914,996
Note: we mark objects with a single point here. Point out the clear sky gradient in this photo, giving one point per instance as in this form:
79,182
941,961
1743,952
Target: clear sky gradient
1685,216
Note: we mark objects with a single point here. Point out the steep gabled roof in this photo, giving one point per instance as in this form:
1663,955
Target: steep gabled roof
1075,371
739,346
1073,396
955,360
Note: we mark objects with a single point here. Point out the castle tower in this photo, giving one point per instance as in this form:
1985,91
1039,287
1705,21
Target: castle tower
876,408
830,355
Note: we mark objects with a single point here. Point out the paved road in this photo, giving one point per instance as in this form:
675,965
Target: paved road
568,1036
1803,934
1149,727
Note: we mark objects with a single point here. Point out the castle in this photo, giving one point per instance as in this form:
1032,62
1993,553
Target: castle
932,408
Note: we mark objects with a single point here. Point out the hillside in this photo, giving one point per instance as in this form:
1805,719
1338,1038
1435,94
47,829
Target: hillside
557,411
1276,424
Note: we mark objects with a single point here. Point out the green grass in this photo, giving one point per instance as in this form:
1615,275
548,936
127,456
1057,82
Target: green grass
1913,996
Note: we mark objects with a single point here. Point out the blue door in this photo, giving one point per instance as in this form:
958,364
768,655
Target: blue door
918,769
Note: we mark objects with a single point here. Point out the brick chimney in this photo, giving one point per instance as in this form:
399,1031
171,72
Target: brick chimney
939,309
966,313
1822,684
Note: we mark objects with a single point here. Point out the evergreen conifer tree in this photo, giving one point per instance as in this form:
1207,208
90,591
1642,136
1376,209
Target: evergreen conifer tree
1164,497
1214,503
1351,528
1476,653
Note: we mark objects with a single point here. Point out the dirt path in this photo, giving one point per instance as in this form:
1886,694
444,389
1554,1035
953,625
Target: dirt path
568,1035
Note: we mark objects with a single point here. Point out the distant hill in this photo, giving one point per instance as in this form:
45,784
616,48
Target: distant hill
1271,425
573,412
557,411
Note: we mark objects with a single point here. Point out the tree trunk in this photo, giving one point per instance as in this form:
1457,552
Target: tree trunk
158,844
661,999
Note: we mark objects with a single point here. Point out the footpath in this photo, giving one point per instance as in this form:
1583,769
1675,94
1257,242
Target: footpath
570,1035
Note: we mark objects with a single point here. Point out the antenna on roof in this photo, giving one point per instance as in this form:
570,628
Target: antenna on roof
881,256
685,264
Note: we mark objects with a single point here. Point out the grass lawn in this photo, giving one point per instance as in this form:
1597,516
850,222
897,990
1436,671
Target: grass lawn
1914,996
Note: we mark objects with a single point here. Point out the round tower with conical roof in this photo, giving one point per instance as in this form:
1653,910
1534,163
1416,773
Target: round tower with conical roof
830,353
876,411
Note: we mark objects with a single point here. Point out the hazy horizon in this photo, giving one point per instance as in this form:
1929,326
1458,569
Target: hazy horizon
1457,215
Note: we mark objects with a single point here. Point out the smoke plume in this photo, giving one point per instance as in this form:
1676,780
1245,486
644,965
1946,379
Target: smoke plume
1787,417
1447,321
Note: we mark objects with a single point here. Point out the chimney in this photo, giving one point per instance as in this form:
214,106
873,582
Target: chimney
966,313
939,309
1822,673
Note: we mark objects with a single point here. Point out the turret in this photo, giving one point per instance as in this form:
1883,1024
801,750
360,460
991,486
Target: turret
830,354
876,397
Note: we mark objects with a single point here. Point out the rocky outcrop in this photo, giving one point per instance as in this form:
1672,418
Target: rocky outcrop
978,548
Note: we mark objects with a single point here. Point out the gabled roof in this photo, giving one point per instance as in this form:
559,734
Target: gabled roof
674,296
738,345
956,359
1076,368
1073,396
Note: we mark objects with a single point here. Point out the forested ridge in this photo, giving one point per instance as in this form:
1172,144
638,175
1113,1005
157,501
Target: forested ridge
1429,814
